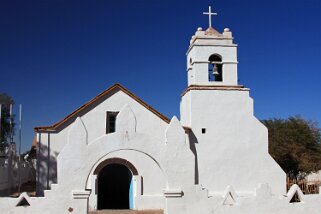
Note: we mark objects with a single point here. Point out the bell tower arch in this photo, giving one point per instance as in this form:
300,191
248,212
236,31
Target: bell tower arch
215,71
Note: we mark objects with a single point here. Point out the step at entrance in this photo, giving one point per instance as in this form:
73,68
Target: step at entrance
127,212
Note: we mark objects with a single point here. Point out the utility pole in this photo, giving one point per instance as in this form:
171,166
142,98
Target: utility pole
19,165
0,122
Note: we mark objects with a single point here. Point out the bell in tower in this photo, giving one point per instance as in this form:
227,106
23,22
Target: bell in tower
215,68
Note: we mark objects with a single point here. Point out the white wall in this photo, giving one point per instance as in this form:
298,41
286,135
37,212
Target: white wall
140,138
95,121
234,149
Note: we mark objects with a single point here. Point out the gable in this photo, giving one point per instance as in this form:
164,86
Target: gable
84,109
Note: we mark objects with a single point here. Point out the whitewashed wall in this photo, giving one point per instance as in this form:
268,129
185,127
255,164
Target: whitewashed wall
234,149
140,139
95,122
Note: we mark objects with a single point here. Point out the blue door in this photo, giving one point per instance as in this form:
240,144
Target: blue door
131,194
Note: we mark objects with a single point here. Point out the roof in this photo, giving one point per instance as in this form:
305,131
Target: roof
212,31
100,97
34,142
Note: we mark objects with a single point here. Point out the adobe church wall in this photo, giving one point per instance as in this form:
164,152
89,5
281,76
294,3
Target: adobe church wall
95,122
158,150
234,148
158,162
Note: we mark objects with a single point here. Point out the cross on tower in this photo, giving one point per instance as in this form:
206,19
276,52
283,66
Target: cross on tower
209,13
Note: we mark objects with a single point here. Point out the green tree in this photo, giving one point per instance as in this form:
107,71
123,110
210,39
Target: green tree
5,101
295,144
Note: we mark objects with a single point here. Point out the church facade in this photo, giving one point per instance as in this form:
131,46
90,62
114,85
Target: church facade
117,152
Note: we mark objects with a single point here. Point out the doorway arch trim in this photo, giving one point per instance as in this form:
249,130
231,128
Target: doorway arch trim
121,161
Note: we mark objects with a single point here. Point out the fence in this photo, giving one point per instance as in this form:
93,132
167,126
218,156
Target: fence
9,174
307,187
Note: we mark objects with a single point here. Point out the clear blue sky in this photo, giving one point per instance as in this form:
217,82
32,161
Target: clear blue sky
56,55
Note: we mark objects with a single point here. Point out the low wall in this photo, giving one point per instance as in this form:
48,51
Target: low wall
193,200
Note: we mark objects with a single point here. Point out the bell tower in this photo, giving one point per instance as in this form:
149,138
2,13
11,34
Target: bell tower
212,57
226,138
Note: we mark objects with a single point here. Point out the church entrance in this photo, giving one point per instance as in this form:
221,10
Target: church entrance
115,187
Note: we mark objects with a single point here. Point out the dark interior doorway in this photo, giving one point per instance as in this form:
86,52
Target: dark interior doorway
113,187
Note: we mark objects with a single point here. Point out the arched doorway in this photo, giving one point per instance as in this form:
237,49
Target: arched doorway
114,186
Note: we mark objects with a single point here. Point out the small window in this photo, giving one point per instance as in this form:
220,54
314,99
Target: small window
203,130
215,73
111,121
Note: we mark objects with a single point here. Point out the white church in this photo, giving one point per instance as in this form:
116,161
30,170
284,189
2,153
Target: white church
118,153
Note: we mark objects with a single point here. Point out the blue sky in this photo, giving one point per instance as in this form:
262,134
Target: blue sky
57,55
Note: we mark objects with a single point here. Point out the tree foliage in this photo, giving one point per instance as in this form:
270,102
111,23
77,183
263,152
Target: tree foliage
5,101
295,144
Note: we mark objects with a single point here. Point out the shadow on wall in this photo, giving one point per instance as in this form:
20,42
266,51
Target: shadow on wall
192,141
46,168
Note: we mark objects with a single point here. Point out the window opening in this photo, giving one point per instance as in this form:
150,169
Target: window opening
215,73
111,121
